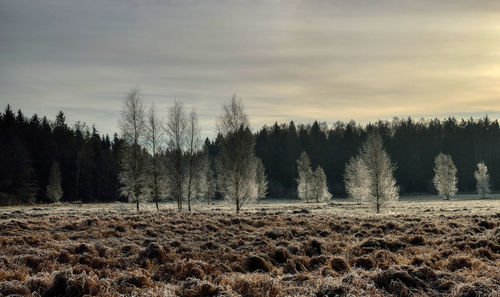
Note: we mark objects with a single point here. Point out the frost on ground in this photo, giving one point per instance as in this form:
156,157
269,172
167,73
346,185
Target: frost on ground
424,248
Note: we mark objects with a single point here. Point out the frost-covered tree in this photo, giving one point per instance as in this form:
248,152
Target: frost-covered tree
357,179
154,139
208,185
305,179
236,161
195,163
54,190
482,180
132,126
260,180
382,185
177,139
233,117
445,176
319,187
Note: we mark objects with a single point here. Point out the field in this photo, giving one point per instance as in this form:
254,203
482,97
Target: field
420,247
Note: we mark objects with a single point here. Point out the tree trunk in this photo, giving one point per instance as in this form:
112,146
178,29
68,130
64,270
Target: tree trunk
190,181
179,182
155,177
136,173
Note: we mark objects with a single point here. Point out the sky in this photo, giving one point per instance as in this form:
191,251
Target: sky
287,60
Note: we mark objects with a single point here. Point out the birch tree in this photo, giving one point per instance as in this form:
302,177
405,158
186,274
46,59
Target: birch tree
176,133
357,180
445,176
54,190
382,187
154,138
236,161
482,180
195,166
304,181
132,126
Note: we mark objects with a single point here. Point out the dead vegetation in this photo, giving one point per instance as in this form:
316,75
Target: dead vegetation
296,253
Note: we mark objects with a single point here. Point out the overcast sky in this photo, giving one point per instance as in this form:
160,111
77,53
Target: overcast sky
288,60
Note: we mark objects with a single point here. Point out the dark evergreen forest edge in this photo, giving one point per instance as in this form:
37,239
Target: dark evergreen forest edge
89,162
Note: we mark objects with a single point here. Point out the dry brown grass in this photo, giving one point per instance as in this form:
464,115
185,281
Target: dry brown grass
264,253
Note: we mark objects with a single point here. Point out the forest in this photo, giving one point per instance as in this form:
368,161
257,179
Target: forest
89,163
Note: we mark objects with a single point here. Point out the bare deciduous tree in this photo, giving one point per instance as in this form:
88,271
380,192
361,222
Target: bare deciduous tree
233,117
154,139
176,132
445,176
236,162
195,166
132,127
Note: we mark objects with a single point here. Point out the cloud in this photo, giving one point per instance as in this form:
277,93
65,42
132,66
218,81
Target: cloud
288,60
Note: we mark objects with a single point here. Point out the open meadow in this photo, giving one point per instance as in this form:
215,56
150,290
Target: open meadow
419,247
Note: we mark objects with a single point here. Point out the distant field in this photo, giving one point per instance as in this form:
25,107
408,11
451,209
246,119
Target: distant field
421,246
406,204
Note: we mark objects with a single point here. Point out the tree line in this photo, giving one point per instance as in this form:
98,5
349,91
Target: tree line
44,161
159,157
412,146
